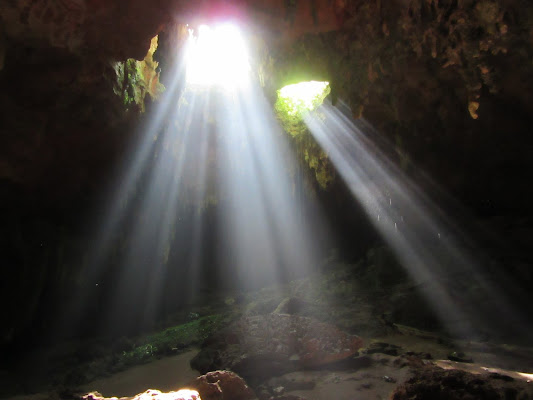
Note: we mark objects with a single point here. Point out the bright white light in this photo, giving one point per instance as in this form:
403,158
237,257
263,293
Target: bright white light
303,96
183,394
217,56
529,377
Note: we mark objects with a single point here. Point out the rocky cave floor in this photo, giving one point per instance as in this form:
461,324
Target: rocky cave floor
352,332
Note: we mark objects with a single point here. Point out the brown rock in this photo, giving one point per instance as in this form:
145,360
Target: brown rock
434,383
222,385
327,344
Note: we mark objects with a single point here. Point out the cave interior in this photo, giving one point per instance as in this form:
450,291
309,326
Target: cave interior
139,202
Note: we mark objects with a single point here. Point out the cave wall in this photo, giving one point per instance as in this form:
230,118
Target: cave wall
445,82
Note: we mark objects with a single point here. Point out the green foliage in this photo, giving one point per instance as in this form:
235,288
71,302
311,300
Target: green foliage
297,99
95,359
291,123
130,83
137,78
289,112
172,339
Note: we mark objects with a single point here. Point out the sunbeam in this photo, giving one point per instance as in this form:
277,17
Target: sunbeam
208,193
124,191
262,225
420,235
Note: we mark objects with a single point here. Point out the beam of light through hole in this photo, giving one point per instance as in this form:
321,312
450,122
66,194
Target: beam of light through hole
418,233
180,160
263,225
269,238
121,193
217,56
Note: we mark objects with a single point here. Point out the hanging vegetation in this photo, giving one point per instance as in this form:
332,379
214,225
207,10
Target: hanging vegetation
135,79
292,102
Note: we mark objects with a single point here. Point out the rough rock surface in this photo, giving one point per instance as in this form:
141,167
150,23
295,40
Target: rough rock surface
222,385
150,394
434,383
273,344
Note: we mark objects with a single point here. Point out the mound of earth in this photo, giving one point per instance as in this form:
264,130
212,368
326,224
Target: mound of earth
273,344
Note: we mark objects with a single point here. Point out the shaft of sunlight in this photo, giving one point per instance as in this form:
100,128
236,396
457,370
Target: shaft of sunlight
207,194
264,228
416,230
120,198
144,266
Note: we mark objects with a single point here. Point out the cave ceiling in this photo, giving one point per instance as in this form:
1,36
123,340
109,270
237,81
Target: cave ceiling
448,82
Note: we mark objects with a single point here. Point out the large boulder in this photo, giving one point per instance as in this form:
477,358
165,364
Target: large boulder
274,344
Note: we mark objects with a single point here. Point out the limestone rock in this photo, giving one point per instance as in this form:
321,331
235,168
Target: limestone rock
150,394
222,385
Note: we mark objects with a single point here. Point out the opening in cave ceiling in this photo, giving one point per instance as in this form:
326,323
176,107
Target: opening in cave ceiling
217,56
301,97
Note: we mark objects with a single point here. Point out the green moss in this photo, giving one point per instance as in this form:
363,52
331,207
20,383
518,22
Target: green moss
172,339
